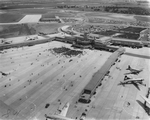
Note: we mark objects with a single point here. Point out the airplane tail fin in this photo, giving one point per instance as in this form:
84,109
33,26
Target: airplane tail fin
121,83
126,77
128,67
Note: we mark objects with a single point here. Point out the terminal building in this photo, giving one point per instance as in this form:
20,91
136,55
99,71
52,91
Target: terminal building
96,80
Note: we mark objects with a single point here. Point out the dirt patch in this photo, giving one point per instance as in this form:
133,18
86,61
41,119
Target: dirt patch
46,28
121,16
142,18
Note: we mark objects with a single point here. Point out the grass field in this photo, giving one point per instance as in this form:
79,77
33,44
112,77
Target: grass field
10,17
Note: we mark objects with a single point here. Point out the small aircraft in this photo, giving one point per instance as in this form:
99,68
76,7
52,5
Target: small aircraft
61,116
134,81
8,113
133,71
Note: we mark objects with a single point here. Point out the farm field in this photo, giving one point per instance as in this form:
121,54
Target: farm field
10,17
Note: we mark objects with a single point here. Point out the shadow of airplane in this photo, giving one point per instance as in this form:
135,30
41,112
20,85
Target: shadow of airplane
147,109
131,73
136,85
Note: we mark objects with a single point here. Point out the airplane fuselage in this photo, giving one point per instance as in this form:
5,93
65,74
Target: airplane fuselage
133,81
58,117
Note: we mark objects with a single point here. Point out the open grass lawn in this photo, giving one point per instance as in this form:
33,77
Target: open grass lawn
64,14
48,15
60,14
10,17
142,18
97,14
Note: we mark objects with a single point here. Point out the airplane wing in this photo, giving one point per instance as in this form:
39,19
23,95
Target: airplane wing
8,113
132,72
146,99
58,117
65,110
62,115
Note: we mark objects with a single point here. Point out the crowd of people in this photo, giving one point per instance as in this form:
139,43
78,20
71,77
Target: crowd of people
67,52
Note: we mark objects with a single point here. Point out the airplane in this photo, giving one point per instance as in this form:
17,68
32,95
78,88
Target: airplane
134,81
8,113
133,71
61,116
4,74
146,101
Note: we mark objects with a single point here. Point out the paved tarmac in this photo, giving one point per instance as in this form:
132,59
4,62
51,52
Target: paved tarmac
30,18
38,77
